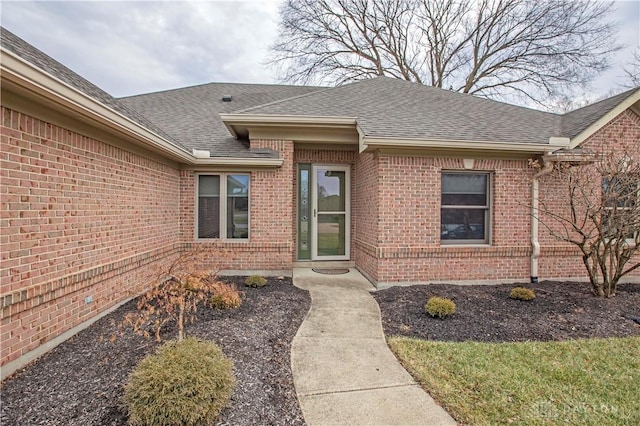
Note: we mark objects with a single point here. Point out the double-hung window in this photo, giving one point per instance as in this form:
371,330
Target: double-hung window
223,206
621,211
465,212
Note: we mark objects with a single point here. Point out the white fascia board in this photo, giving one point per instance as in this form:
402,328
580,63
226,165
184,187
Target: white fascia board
235,121
586,133
33,78
239,162
534,148
362,147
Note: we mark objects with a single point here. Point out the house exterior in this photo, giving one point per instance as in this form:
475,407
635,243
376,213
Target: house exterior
407,183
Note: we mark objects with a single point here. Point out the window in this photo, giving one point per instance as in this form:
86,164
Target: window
464,208
620,208
229,212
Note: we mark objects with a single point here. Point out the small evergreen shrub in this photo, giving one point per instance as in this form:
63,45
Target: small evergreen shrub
522,293
225,296
183,383
255,281
440,307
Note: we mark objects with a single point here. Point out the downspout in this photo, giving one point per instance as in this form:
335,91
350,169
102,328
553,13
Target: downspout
535,211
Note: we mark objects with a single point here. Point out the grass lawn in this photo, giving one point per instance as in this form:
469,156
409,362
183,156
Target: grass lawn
586,382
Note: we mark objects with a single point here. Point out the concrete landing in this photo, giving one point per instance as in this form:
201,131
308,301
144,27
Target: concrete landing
343,371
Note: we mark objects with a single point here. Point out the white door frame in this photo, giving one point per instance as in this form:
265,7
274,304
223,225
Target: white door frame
314,211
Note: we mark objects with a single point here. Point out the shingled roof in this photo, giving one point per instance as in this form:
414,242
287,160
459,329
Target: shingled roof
27,52
574,122
392,108
192,114
383,107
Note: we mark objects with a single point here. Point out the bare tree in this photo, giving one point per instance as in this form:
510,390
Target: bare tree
632,71
486,47
602,218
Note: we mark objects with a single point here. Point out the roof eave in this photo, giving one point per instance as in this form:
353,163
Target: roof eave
369,143
27,78
632,101
237,161
238,124
35,80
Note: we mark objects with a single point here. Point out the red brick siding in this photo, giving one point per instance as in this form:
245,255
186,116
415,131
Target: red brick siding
365,211
271,235
560,259
408,246
79,218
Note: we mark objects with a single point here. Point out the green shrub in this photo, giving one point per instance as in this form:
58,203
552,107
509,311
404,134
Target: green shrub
255,281
522,293
225,296
440,307
183,383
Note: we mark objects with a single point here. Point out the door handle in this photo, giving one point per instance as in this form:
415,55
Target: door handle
314,212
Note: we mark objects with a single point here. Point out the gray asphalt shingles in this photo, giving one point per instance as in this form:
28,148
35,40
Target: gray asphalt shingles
387,107
192,114
384,107
27,52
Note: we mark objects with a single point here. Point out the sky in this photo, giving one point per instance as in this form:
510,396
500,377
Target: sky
129,48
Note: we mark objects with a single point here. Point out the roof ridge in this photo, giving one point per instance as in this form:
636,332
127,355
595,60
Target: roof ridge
213,83
623,95
282,100
322,90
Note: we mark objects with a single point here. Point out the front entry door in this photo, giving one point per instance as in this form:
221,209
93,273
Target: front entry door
330,197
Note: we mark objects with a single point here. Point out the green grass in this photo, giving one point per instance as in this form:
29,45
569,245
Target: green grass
586,382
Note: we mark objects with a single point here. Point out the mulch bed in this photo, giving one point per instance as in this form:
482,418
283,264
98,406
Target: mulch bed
560,311
80,381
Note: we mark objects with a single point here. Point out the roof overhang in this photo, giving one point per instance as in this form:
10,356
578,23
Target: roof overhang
36,85
632,102
368,143
298,128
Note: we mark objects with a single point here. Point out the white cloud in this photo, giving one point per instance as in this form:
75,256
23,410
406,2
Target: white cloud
137,47
143,46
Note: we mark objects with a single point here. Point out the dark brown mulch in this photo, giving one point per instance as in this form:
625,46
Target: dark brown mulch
80,382
560,311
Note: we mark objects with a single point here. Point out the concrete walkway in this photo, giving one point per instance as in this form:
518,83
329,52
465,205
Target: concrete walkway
343,371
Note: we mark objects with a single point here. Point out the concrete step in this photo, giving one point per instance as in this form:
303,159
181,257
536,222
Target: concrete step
325,264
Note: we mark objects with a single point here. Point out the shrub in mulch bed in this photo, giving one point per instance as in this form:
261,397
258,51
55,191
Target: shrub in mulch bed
560,311
81,381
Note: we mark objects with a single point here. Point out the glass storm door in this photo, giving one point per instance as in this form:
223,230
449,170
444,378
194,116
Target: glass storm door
330,216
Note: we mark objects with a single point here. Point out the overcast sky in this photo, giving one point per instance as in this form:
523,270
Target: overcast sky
129,48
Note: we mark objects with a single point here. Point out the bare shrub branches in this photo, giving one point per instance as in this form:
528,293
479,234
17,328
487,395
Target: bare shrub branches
602,216
493,48
177,292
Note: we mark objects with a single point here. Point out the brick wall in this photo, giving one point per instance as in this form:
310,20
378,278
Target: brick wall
406,247
561,259
79,218
272,221
366,210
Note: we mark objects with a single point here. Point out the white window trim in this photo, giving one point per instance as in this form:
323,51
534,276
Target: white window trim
223,208
489,207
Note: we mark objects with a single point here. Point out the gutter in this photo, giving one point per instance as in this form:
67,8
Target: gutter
29,80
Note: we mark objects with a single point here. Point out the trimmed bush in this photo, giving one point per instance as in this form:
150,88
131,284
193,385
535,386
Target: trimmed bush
255,281
522,293
183,383
440,307
225,296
